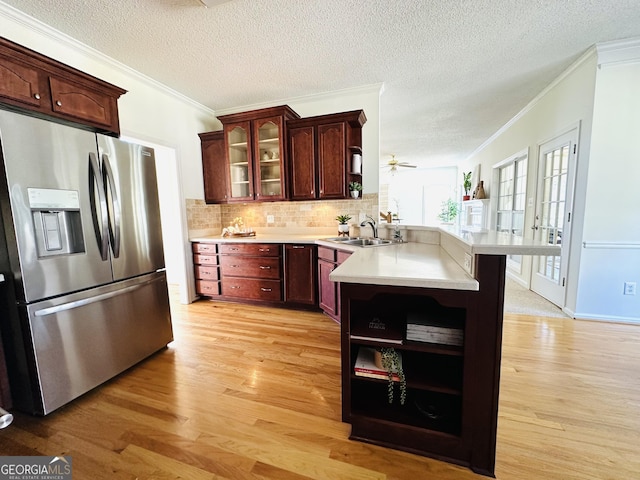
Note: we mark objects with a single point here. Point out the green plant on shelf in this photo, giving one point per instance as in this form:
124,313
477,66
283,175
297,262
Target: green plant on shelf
355,186
391,363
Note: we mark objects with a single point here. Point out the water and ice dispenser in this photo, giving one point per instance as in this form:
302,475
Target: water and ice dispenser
56,220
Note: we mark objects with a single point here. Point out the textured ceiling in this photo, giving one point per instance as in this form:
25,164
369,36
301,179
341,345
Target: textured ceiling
454,71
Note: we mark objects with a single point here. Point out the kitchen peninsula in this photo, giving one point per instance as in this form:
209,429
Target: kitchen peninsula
449,279
455,292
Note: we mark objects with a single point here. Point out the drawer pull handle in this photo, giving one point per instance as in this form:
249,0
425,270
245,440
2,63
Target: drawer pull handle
206,273
265,289
298,246
233,249
234,266
235,287
265,250
265,267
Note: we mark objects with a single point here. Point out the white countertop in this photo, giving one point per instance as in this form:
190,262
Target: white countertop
260,238
489,242
496,243
407,264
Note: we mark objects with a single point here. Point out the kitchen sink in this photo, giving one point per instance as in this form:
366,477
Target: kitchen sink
368,242
359,242
340,239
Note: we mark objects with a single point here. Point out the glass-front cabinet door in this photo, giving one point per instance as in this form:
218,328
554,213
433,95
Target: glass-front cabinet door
268,158
240,160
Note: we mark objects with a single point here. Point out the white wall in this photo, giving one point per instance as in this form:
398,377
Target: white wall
566,102
611,235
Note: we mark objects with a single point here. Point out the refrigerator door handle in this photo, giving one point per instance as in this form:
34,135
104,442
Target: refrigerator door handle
87,301
114,230
100,225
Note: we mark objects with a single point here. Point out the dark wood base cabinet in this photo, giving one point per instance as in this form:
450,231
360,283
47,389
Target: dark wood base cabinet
451,406
257,272
328,291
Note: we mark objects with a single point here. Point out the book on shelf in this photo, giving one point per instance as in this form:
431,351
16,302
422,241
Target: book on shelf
422,327
365,365
378,327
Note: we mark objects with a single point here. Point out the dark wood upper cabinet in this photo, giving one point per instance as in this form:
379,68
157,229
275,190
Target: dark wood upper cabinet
302,163
319,155
332,160
214,167
271,154
256,153
38,85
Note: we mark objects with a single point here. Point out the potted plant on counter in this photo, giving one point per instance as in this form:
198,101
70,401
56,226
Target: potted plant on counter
343,226
355,188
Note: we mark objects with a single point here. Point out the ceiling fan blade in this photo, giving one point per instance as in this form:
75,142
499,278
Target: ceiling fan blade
406,165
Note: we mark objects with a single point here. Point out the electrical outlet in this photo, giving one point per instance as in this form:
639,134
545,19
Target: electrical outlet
270,219
467,262
629,288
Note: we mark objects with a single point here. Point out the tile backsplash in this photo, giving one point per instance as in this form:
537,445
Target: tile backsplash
293,215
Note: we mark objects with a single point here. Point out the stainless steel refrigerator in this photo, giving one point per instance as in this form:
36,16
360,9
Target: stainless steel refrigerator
81,244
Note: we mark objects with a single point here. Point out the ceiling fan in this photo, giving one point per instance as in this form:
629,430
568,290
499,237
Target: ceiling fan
393,165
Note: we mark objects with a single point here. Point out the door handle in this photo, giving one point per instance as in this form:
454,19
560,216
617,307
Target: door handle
100,225
535,225
114,231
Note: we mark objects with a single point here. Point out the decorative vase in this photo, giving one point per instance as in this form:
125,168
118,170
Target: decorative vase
480,192
355,193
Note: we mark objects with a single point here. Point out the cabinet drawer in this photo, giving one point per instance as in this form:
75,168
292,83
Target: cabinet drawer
326,253
206,272
207,288
261,249
205,259
255,267
252,288
208,248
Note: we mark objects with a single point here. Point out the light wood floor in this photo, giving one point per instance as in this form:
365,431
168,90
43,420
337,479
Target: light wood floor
253,393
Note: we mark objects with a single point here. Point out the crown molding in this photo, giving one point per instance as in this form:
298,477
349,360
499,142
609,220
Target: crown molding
371,89
590,53
32,24
618,52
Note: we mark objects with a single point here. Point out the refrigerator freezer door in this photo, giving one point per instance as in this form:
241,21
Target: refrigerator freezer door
46,168
84,339
134,210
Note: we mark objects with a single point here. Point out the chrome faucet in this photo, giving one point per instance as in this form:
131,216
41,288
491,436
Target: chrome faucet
372,223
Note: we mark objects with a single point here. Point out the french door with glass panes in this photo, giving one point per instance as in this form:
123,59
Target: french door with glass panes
554,195
512,190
